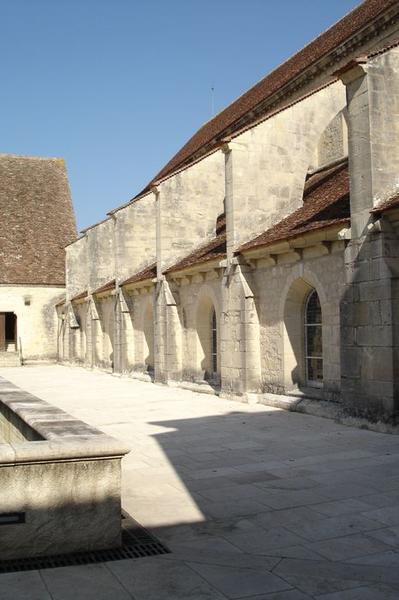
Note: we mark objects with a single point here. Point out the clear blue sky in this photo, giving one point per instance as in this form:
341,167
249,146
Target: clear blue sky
117,86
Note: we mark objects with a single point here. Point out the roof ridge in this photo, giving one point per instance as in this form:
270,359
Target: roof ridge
30,157
344,29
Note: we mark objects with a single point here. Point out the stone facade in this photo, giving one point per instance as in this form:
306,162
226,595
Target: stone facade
37,222
36,331
205,279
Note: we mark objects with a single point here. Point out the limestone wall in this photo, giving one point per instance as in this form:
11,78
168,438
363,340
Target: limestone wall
76,258
188,205
266,165
135,230
198,295
100,254
280,295
104,333
36,318
80,335
383,83
137,333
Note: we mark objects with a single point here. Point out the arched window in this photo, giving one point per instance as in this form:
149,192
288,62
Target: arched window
148,338
214,342
313,340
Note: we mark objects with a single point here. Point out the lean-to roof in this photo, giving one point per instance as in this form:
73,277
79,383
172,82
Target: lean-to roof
325,204
215,249
392,202
148,272
80,296
110,285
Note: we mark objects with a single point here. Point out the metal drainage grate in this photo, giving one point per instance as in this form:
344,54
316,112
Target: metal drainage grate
137,542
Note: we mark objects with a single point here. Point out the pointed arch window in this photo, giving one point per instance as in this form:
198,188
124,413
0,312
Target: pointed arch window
214,342
313,340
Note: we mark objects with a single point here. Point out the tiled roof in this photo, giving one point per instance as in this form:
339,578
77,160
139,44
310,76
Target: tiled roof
214,249
325,204
212,132
80,296
392,202
37,220
148,273
110,285
384,48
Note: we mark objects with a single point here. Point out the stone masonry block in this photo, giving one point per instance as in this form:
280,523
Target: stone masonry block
374,336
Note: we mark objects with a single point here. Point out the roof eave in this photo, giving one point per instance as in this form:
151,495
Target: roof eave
205,265
139,283
295,242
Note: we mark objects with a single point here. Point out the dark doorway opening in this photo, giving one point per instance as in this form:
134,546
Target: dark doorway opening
8,331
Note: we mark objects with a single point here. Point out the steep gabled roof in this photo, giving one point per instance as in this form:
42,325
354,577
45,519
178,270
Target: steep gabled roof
231,118
325,204
37,220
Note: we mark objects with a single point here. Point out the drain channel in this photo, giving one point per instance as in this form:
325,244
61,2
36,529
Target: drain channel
137,542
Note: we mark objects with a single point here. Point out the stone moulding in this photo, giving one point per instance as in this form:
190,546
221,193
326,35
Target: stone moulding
61,476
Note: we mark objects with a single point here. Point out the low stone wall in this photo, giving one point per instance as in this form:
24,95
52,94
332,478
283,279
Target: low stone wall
60,480
13,429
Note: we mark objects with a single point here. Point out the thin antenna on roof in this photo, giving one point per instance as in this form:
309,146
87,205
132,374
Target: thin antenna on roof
212,100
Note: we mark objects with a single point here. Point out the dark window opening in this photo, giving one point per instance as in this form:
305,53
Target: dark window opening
313,340
214,343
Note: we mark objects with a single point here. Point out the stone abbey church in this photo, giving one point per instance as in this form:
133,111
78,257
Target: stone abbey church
262,260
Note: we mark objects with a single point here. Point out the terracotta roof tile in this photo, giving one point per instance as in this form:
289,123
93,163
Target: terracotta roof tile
384,48
80,296
148,273
392,202
110,285
214,249
37,220
212,132
325,204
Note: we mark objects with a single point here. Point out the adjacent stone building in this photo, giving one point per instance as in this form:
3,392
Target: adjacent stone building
264,258
37,221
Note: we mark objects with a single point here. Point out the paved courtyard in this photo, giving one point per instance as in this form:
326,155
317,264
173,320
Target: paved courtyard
255,503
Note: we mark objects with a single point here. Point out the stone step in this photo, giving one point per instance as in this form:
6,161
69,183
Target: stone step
9,359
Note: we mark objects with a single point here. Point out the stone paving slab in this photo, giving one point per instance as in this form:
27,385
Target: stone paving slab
255,503
91,582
